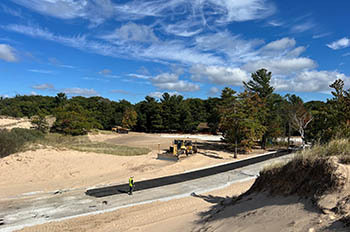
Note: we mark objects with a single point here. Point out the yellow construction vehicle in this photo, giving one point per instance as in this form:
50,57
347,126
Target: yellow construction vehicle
178,148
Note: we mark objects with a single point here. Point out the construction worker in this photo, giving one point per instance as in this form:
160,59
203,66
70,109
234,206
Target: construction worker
131,185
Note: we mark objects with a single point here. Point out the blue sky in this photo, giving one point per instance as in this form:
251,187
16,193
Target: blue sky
130,49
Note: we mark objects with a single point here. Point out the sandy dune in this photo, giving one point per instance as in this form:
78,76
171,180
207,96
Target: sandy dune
10,123
50,169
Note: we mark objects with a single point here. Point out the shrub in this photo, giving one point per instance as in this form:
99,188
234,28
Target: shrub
14,140
40,123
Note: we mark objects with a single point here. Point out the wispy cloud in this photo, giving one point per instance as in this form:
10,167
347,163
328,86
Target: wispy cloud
54,61
302,27
105,71
95,11
318,36
346,54
43,86
11,11
7,53
40,71
275,23
124,92
339,44
139,76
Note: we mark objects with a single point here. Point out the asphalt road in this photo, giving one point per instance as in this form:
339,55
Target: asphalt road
174,179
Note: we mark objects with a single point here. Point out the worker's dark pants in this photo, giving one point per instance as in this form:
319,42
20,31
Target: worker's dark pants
130,190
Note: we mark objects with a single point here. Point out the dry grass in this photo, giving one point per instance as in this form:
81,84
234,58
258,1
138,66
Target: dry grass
339,148
82,143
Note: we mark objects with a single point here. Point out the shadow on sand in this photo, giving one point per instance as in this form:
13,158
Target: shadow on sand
246,205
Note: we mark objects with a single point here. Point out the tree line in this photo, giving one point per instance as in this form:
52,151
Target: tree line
256,115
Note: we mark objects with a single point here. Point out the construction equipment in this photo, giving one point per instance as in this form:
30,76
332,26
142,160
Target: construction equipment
120,130
178,148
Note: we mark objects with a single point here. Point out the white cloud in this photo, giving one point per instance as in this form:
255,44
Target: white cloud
213,91
339,44
132,32
80,92
40,71
296,52
219,75
7,53
4,96
170,81
43,86
181,86
346,54
281,44
165,78
309,81
282,66
160,94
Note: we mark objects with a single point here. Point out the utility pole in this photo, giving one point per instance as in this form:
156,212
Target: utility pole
235,154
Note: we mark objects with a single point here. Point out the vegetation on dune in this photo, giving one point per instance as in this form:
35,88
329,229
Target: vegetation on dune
19,139
82,143
312,172
16,140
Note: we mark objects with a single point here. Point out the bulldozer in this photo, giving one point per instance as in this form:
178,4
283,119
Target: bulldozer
178,148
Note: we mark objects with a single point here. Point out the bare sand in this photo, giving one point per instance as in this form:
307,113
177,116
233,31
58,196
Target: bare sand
51,169
174,215
10,123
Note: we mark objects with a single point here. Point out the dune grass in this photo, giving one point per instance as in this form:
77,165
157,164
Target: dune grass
82,143
311,172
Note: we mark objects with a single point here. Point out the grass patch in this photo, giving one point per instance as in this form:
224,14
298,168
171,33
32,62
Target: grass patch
82,143
107,148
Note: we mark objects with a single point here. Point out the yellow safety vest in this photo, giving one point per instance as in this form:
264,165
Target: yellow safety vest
131,182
